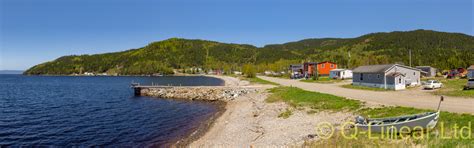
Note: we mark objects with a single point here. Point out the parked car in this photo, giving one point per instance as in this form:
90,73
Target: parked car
470,84
432,84
296,75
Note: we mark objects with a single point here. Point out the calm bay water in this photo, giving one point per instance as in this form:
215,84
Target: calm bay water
85,111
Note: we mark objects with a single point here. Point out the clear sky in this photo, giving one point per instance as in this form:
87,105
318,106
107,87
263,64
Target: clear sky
36,31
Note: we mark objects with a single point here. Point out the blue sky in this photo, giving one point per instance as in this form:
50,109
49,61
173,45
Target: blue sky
36,31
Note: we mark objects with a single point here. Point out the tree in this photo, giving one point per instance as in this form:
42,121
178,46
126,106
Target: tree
249,70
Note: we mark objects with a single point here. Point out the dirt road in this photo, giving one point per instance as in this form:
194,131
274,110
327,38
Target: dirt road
408,98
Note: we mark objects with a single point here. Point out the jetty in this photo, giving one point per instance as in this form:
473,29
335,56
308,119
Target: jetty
206,93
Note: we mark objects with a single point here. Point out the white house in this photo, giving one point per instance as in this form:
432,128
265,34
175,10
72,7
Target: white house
237,73
89,73
389,76
267,72
340,74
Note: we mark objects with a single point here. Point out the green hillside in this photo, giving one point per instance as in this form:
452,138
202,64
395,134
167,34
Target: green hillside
157,57
438,49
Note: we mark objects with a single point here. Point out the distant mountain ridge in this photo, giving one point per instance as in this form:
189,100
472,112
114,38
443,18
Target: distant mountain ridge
439,49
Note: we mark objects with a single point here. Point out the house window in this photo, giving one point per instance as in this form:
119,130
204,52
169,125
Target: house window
332,65
414,73
361,76
378,76
400,80
322,65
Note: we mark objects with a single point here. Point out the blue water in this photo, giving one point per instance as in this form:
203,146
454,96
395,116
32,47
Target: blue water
95,111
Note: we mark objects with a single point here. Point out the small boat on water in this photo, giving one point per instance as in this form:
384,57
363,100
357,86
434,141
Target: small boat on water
401,124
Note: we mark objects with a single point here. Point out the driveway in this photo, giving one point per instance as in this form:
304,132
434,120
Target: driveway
408,98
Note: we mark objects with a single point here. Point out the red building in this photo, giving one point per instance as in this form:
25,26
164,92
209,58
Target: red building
325,67
308,68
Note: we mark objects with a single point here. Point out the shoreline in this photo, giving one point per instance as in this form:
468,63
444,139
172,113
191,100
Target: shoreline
203,127
197,132
206,125
250,121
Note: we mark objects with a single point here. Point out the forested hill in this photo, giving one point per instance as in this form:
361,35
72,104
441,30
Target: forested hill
438,49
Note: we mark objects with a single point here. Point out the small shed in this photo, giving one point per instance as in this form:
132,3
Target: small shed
428,71
340,74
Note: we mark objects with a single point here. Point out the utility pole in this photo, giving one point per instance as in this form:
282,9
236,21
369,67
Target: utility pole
349,62
410,57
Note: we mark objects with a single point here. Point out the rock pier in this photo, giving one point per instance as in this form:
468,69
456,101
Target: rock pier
206,93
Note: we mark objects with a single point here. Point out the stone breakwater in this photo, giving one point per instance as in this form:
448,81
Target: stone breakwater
196,93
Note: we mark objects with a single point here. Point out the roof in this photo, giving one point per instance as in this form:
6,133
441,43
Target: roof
326,62
379,68
424,67
373,68
296,66
471,67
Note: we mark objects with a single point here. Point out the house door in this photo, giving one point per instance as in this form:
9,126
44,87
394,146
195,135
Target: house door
399,82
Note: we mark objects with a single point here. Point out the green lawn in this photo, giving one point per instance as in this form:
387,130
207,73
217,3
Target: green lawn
316,101
454,87
364,88
322,80
319,102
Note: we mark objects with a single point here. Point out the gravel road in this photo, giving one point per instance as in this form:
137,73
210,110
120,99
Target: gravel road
409,98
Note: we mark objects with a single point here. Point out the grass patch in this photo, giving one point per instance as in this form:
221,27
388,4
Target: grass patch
260,81
364,87
444,134
286,114
433,138
454,87
297,97
322,80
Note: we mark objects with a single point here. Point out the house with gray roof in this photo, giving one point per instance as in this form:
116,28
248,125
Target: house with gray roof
470,72
389,76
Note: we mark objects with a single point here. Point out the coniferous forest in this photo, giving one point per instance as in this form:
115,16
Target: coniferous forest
437,49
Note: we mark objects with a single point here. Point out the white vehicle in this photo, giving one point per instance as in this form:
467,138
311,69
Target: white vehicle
470,84
432,84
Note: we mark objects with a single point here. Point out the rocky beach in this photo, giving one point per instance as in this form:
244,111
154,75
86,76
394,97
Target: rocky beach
246,119
251,121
